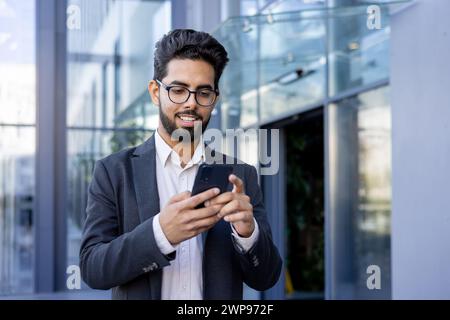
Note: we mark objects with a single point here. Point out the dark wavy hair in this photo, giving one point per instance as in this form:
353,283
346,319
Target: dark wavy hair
189,44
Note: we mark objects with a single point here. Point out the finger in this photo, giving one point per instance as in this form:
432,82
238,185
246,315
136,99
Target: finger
194,201
179,197
235,206
226,197
221,198
205,223
241,216
238,184
204,229
202,213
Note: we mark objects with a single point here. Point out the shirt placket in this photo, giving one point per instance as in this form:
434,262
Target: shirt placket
184,250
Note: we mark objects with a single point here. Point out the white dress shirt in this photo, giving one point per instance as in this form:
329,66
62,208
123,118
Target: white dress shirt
182,279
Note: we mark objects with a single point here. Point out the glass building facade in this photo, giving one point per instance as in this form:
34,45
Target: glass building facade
17,145
315,70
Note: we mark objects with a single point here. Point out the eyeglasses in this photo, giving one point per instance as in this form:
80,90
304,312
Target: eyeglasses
178,94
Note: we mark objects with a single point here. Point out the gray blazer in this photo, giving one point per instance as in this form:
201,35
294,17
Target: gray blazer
118,248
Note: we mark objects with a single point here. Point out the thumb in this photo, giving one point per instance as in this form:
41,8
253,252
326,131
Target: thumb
238,184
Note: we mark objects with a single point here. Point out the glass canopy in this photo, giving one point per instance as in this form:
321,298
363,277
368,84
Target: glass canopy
284,62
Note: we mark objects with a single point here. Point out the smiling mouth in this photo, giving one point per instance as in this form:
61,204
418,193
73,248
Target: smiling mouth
188,118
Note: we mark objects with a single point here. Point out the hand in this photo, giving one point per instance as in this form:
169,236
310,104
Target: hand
236,209
180,221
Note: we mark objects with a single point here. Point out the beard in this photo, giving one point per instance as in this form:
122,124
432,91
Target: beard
170,125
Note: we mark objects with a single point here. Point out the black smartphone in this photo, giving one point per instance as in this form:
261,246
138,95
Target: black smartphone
211,176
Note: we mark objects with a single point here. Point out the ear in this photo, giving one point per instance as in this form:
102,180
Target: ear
153,90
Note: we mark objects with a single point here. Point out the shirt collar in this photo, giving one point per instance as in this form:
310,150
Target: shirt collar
164,152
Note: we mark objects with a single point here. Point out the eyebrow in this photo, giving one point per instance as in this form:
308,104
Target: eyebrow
180,83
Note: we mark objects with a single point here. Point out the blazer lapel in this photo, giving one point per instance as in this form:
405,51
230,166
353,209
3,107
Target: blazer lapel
144,178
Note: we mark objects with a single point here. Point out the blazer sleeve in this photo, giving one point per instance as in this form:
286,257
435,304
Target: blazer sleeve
107,257
261,265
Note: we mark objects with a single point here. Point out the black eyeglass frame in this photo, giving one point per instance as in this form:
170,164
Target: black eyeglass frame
167,87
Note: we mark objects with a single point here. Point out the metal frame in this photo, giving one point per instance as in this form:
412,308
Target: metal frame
50,205
178,14
17,125
326,182
328,217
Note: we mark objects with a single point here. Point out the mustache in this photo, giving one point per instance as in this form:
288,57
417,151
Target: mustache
189,113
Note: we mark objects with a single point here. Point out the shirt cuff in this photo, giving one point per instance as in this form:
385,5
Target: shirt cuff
161,241
246,243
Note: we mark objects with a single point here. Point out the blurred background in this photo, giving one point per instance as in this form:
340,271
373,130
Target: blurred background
358,89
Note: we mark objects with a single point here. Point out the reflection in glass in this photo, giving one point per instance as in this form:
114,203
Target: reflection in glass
292,63
239,82
110,62
282,62
360,185
17,182
17,62
17,145
358,55
292,5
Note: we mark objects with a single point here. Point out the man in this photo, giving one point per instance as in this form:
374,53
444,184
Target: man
143,236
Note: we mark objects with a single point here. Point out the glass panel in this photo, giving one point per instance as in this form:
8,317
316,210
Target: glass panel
278,59
110,62
17,62
239,82
292,62
293,5
17,145
248,7
360,189
17,183
358,55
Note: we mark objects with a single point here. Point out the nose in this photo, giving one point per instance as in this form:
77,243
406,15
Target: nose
191,103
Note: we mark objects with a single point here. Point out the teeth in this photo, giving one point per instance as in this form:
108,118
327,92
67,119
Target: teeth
187,118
